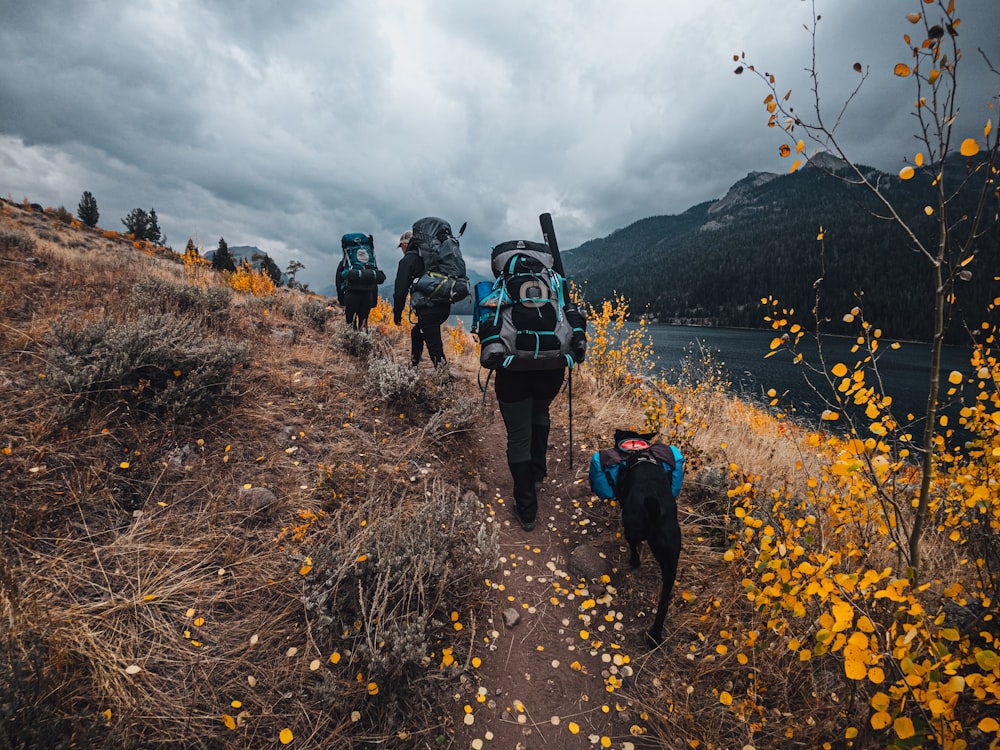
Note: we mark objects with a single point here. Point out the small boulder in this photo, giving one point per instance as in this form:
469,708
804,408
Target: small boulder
586,562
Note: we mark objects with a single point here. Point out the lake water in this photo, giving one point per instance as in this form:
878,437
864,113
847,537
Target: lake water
743,355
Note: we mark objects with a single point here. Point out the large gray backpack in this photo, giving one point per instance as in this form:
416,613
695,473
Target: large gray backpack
444,279
525,321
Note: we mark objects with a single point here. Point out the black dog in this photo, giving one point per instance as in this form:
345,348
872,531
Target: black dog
649,512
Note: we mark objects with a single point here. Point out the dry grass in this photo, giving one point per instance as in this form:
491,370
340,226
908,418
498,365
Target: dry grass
156,575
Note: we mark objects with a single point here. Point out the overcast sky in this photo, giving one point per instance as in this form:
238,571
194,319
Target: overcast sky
286,125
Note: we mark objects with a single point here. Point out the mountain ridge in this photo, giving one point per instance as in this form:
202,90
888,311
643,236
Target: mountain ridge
715,262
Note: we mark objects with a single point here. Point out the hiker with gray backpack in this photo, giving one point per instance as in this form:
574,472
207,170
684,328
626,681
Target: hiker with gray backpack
432,273
530,332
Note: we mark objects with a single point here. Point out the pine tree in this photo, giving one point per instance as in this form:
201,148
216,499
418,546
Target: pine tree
268,266
223,259
137,223
153,233
87,209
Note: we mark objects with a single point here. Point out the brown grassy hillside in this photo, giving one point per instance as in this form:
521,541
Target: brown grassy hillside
228,522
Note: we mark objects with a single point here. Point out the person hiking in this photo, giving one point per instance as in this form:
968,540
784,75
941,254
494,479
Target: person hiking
431,312
530,331
357,304
358,277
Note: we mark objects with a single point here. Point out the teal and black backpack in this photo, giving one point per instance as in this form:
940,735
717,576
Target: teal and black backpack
360,272
525,320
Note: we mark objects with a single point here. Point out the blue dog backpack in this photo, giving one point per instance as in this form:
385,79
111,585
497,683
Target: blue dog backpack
605,465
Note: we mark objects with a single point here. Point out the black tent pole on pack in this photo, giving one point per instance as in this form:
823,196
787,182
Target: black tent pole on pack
549,233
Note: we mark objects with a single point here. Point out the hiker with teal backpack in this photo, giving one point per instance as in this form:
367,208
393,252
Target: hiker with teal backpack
358,277
530,332
432,273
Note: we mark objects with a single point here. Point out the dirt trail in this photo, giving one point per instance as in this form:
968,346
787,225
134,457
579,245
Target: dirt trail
562,676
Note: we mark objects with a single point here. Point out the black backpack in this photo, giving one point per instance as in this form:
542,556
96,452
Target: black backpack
360,272
444,279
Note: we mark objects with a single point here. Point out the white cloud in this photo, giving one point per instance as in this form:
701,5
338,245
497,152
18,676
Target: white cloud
287,127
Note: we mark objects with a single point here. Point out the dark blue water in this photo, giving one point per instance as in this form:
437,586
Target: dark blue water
743,354
743,357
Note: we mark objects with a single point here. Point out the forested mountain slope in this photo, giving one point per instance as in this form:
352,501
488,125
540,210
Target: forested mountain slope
712,264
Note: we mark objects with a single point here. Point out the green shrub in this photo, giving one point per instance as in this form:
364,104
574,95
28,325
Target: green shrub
314,313
161,364
156,295
401,581
16,241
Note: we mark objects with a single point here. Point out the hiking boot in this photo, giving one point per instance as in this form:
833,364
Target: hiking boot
525,504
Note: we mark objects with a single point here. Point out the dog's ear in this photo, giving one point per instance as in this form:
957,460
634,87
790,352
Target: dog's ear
624,435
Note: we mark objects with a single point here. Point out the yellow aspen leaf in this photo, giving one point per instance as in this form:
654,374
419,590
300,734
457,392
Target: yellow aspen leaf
918,159
902,70
573,727
285,737
784,150
969,147
199,621
880,720
933,75
988,129
229,721
929,210
954,377
149,597
988,725
903,726
829,416
795,165
372,688
880,701
123,465
800,147
854,669
987,660
839,370
876,675
335,657
950,634
605,741
362,558
725,698
906,173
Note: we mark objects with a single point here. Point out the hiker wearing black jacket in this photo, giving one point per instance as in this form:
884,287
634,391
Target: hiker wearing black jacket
430,318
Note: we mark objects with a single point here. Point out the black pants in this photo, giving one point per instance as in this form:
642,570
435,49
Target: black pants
427,330
524,399
357,305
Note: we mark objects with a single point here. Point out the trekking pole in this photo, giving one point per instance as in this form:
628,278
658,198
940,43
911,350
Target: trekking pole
571,419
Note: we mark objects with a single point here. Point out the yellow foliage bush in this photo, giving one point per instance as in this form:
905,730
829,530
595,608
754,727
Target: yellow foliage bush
245,279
